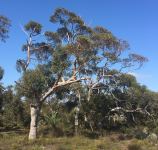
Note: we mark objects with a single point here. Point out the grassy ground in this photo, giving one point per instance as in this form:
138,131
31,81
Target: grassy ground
15,141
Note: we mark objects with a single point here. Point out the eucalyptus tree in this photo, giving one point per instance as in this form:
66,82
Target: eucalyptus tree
74,52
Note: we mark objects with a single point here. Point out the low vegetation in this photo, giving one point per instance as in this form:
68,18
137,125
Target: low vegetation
15,141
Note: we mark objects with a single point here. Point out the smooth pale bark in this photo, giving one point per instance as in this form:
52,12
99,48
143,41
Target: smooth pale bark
89,94
34,119
76,120
76,124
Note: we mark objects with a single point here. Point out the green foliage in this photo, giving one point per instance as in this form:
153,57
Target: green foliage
97,109
33,28
32,84
55,119
52,119
13,111
61,61
1,73
53,37
4,27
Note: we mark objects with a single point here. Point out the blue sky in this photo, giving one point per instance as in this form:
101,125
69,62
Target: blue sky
133,20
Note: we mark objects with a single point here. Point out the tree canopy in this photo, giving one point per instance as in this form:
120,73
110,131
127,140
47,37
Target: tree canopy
75,51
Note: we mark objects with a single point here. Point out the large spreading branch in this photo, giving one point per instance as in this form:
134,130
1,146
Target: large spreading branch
60,84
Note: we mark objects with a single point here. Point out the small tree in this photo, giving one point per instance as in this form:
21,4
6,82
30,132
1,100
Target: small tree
73,53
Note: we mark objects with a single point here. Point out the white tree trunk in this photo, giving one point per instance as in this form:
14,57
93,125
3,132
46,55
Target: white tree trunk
33,125
89,94
76,120
76,124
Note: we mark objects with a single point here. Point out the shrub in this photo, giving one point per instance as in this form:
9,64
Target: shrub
134,147
152,138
